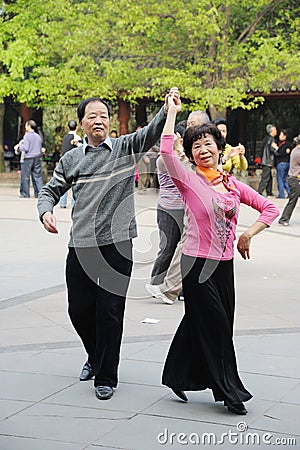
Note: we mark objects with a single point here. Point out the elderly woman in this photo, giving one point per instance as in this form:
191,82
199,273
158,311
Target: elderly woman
202,353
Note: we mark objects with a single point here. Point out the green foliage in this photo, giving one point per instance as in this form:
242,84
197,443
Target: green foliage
214,51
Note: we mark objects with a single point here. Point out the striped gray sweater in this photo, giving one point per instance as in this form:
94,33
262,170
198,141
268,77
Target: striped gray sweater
102,182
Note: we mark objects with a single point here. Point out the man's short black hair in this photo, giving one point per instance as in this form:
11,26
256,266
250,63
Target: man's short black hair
192,134
72,124
82,106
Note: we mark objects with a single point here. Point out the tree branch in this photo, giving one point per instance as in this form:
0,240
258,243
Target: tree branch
248,32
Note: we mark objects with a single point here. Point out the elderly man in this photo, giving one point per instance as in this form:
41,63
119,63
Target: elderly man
269,150
99,262
31,147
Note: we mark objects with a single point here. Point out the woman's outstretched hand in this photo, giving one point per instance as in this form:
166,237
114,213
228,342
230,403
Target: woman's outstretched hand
173,98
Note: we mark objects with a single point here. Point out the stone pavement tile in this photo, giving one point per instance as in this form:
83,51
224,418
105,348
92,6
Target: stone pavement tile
21,317
280,418
56,302
258,320
277,344
202,407
11,407
152,433
155,352
128,397
65,362
242,342
169,317
293,396
36,334
270,388
282,366
30,387
129,350
24,443
140,372
275,303
62,423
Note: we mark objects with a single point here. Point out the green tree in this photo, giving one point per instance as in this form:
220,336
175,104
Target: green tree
215,51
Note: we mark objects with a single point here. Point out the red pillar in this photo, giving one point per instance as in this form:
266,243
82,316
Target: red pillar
123,116
26,114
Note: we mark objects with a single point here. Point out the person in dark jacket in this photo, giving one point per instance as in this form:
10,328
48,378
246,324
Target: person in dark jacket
70,140
269,149
282,164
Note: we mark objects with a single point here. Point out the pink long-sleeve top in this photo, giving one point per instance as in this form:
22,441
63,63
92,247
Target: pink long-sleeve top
212,216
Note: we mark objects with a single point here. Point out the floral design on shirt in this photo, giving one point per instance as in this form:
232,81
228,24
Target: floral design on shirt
224,212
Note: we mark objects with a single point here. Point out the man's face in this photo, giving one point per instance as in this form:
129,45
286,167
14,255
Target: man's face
95,123
273,131
196,118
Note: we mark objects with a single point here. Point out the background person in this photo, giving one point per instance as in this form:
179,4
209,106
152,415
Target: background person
169,217
233,157
31,146
269,148
282,164
294,184
170,287
70,140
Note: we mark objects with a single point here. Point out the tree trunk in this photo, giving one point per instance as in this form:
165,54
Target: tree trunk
216,113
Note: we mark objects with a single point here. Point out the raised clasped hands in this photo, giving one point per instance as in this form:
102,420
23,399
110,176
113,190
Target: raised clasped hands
172,100
238,150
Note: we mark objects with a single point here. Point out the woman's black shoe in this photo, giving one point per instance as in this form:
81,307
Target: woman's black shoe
181,395
236,408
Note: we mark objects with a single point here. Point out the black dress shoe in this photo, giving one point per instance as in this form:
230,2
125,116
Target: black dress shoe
181,395
236,408
104,392
87,372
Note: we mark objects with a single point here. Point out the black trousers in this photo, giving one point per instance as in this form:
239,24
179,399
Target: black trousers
97,281
170,226
294,185
266,180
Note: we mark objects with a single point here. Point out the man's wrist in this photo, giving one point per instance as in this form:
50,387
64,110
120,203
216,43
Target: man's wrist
43,215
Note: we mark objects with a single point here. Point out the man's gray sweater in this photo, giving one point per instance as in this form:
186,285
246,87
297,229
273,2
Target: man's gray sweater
102,182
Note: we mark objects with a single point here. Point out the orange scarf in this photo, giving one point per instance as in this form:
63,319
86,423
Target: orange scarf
214,177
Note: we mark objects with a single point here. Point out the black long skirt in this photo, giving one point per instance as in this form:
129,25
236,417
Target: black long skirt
202,352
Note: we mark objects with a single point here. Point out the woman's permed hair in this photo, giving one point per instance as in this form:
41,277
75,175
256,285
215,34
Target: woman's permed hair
192,134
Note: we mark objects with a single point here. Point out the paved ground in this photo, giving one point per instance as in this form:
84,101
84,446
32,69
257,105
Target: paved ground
45,407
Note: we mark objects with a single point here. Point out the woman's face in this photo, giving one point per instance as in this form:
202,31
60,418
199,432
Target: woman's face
205,152
282,136
223,129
